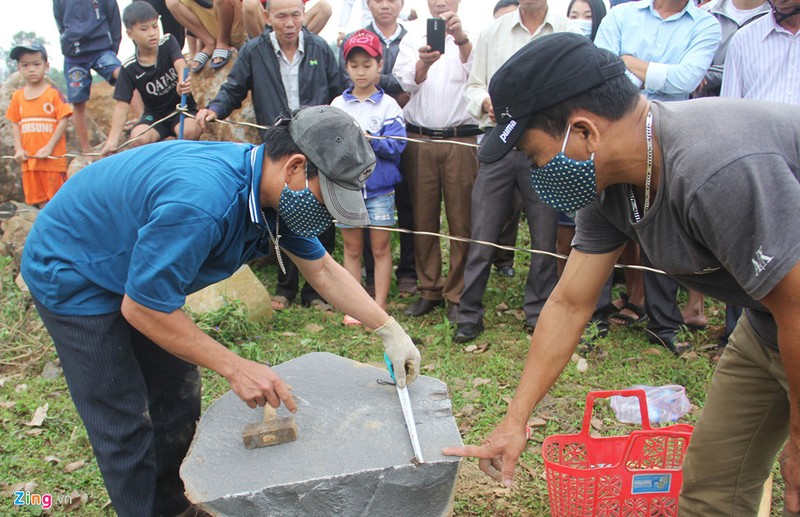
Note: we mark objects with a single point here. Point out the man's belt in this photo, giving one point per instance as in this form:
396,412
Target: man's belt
438,133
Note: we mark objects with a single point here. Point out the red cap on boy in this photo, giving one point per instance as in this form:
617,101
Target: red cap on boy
365,40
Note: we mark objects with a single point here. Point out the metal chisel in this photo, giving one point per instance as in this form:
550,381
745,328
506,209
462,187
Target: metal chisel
408,414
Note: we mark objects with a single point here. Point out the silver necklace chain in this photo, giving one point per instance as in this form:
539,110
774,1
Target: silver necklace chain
648,133
275,239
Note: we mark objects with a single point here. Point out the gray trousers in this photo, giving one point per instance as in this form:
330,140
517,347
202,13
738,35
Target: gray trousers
661,302
491,203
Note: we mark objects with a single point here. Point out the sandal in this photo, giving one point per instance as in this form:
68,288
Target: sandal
220,53
320,305
670,342
280,302
626,319
595,329
623,297
201,58
350,321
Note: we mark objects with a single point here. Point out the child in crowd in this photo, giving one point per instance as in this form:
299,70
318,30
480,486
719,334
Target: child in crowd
380,115
90,37
156,72
38,114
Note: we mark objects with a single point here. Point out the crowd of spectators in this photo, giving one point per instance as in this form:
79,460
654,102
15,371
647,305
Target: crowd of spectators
272,52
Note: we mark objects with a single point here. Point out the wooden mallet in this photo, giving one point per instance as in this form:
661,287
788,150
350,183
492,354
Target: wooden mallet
270,431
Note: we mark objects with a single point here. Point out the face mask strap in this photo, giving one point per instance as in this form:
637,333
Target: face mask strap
566,137
564,145
286,185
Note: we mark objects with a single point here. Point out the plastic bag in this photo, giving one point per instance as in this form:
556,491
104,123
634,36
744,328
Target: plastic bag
664,404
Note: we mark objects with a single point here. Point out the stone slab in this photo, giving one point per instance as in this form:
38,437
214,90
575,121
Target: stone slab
352,456
243,286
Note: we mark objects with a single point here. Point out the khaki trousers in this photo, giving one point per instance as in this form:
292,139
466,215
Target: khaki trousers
435,172
743,426
208,19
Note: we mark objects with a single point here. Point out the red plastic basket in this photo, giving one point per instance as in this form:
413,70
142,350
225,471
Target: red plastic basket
631,475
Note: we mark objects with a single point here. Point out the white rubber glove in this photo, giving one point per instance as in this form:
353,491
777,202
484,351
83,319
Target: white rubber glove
402,353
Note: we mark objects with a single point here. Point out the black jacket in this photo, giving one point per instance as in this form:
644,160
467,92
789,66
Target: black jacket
257,70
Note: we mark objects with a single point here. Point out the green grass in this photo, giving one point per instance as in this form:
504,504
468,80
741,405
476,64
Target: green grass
619,360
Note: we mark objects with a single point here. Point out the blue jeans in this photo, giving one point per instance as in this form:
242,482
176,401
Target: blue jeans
78,72
380,210
140,406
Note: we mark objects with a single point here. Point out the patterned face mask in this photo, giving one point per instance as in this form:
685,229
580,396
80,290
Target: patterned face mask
565,184
302,212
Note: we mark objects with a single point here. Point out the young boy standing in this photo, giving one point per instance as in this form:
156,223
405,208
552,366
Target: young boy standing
38,114
156,72
379,115
90,36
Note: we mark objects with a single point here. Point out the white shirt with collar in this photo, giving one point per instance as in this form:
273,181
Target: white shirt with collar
438,101
498,42
290,70
763,63
390,38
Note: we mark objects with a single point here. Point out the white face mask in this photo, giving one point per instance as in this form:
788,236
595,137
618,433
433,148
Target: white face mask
585,27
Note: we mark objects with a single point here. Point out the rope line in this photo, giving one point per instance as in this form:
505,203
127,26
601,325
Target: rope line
372,137
184,110
119,147
501,246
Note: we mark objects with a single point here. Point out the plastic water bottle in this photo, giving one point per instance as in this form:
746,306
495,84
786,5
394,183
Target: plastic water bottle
664,404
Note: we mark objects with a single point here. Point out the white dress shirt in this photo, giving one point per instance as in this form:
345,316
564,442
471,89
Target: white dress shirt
498,42
437,102
763,63
290,70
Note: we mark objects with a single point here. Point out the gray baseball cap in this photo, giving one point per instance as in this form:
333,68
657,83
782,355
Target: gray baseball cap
336,144
28,46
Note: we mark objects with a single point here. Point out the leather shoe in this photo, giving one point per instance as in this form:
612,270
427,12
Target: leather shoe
467,332
506,271
423,306
528,328
452,313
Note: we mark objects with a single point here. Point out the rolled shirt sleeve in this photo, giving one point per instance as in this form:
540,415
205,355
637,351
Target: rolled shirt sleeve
684,76
405,68
478,83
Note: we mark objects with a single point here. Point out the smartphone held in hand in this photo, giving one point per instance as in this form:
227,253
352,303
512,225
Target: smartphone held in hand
436,34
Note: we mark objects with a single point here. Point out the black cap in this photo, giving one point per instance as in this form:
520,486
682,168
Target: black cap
30,46
543,73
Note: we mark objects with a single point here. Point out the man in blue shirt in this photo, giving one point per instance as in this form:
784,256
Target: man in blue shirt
666,45
110,262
